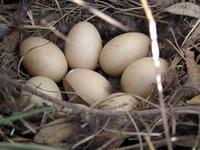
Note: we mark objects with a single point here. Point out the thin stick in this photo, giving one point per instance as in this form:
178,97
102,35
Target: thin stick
155,52
137,130
91,136
51,28
191,31
134,133
198,137
80,109
58,5
101,15
149,142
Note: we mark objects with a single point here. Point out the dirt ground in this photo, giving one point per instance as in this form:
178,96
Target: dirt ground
75,126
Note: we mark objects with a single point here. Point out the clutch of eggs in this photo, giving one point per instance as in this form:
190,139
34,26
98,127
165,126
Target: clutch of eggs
125,55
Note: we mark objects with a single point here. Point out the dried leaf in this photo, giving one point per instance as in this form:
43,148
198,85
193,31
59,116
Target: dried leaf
194,101
104,137
55,132
4,29
195,36
162,3
10,42
188,141
192,69
185,8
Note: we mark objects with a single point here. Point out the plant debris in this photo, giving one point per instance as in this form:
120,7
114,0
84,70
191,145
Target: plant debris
76,126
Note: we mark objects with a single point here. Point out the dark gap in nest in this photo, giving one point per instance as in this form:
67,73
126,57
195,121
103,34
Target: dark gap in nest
9,1
175,147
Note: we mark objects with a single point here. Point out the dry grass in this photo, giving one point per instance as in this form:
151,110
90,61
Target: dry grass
52,19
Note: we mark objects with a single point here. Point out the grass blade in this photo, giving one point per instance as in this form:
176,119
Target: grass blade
15,117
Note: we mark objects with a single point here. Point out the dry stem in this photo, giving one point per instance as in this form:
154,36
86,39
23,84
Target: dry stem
155,52
81,109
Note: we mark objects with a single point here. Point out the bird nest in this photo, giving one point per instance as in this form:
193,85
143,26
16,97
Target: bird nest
69,125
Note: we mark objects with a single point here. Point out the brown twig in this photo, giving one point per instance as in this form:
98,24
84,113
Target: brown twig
136,129
80,109
91,136
155,52
101,15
